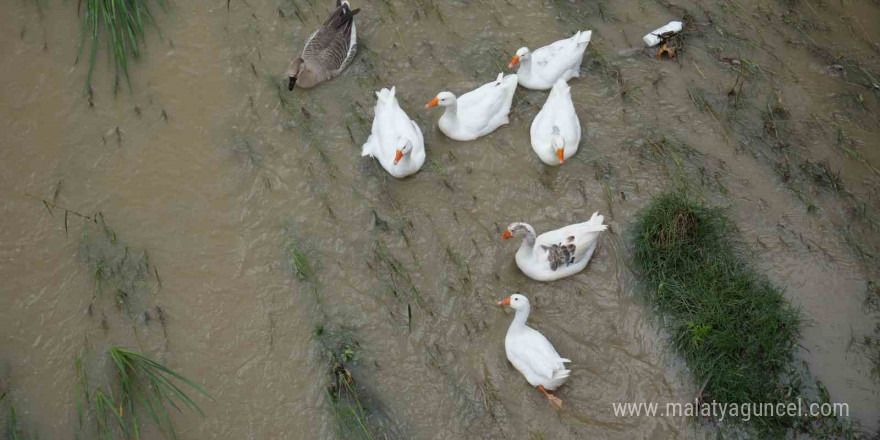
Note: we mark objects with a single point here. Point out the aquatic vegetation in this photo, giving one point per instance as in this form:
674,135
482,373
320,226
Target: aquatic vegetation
734,328
822,174
124,23
141,383
349,413
869,345
13,432
300,264
354,416
115,268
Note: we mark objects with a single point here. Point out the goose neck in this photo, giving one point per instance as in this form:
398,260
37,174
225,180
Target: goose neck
529,240
519,320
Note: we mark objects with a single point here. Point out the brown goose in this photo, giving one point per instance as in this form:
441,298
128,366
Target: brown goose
327,51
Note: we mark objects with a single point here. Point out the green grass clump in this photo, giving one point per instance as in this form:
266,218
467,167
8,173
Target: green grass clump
351,414
300,264
122,24
142,382
734,329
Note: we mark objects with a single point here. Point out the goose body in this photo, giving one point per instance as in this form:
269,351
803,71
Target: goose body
395,141
556,130
556,254
328,50
540,69
531,353
478,112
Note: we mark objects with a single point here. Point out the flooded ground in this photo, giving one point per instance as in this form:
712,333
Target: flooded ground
215,171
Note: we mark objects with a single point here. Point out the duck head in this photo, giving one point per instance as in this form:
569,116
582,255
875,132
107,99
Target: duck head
518,229
515,301
558,144
444,99
521,55
405,146
294,70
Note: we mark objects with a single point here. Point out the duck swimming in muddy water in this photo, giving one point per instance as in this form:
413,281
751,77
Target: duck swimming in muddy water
556,130
328,51
478,112
540,69
531,353
556,254
395,141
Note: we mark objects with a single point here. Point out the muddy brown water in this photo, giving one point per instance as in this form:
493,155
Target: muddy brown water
205,168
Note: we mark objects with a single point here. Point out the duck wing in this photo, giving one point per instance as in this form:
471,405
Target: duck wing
557,111
385,102
570,244
478,107
559,56
328,48
544,55
531,353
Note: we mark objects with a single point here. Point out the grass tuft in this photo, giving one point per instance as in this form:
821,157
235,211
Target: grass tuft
822,174
350,413
734,329
300,265
122,24
143,384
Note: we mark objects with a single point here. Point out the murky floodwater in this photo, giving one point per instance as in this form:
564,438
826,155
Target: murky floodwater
216,172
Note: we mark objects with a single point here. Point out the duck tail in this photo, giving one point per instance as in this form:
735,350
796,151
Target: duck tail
347,12
367,149
560,375
342,16
509,80
596,221
560,87
385,95
583,37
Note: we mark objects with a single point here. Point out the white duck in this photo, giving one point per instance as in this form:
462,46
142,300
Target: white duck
396,141
478,112
556,254
531,353
540,69
556,130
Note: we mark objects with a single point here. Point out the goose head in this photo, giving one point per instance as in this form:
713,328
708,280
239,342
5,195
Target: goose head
515,301
558,144
405,146
444,99
297,66
518,229
521,55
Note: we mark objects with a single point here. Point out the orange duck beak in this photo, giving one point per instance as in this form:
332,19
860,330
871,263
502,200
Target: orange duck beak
506,234
433,103
397,156
561,155
514,61
504,302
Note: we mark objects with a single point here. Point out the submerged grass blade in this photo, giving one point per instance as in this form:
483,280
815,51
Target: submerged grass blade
124,23
300,263
14,432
